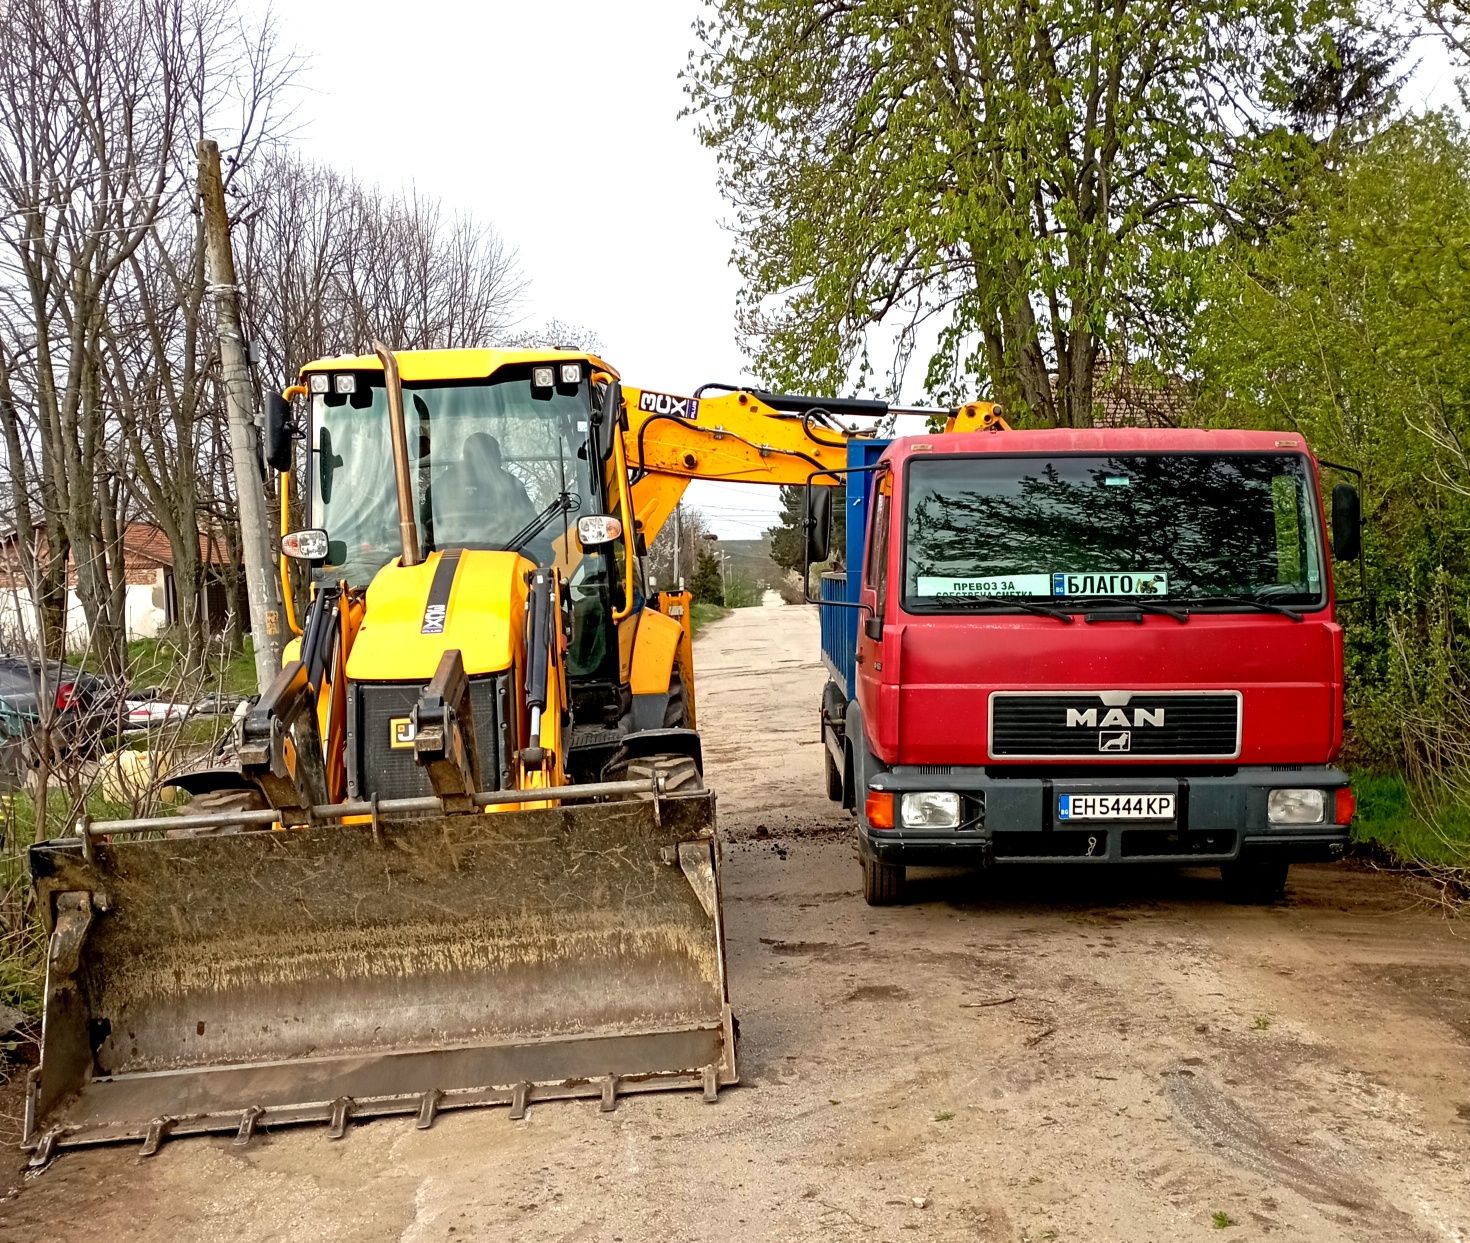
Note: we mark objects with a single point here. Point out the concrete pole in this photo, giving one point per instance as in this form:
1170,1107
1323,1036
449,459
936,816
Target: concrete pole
678,565
256,540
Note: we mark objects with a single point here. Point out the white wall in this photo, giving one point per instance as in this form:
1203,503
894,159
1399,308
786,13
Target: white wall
143,607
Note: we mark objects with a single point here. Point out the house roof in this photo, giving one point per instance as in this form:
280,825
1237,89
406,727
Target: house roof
145,549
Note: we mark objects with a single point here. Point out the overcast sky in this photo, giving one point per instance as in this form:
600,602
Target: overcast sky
557,123
506,110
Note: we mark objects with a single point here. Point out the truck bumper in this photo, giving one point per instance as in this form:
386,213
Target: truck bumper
1219,818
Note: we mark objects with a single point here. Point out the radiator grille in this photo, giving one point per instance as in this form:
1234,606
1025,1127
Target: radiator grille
380,768
1143,725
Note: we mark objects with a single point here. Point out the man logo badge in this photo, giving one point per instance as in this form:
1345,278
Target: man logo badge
1114,740
401,732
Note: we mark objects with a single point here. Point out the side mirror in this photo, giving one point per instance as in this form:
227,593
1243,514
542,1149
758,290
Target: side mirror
818,523
310,545
598,530
873,627
607,409
1347,523
275,446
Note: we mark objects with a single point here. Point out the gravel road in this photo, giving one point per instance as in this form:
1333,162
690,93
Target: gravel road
1016,1056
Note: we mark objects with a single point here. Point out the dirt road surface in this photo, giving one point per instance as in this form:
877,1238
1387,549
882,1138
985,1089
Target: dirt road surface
1015,1056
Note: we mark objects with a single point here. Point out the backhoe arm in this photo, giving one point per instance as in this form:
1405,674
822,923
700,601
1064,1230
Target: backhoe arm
744,436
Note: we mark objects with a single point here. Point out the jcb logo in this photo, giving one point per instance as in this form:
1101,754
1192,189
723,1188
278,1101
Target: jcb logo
401,732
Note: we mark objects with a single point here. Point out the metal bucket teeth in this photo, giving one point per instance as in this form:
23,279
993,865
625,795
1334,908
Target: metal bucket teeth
251,980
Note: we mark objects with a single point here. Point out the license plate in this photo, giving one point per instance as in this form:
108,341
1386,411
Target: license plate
1071,807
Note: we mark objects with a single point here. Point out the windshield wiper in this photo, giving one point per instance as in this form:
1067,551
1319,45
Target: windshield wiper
1010,602
1141,603
562,504
1250,602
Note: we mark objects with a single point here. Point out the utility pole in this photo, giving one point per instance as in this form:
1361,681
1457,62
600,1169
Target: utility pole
255,533
678,565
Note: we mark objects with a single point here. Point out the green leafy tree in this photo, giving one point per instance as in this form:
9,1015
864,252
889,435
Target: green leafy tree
1031,177
707,585
1333,96
788,536
1349,323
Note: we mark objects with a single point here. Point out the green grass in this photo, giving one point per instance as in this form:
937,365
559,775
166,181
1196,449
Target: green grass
197,731
1410,830
742,592
22,945
701,614
1222,1220
161,663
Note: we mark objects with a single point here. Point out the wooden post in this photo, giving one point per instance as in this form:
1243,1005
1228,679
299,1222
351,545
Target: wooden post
256,538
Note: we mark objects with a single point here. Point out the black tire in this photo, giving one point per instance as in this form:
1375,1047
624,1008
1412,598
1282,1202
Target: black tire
834,775
211,802
676,713
1255,881
883,883
678,773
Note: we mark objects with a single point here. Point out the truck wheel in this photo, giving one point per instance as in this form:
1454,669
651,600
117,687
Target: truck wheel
1254,881
834,775
883,883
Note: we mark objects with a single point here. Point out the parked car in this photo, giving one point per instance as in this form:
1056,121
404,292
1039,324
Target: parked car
85,710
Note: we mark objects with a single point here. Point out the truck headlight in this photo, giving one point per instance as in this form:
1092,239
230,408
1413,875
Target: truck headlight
931,809
1296,806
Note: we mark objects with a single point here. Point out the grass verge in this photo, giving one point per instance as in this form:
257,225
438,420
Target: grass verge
701,614
1409,828
22,946
163,664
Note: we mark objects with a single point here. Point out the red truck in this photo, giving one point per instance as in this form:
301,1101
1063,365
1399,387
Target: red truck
1103,646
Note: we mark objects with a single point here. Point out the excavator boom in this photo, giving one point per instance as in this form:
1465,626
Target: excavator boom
741,435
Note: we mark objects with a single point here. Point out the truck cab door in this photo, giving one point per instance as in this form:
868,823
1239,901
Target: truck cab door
872,592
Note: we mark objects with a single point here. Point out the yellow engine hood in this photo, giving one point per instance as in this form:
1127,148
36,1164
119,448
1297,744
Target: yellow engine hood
466,599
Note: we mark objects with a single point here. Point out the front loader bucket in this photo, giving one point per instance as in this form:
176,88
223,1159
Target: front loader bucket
236,982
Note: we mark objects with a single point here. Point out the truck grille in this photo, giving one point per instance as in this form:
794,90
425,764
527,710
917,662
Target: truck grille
1115,725
376,766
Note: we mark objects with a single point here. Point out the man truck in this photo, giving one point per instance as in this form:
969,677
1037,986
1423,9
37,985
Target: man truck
1102,646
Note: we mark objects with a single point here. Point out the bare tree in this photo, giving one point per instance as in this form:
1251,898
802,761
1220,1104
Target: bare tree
100,103
329,264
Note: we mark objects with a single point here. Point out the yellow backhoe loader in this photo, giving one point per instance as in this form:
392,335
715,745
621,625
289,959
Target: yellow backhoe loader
462,854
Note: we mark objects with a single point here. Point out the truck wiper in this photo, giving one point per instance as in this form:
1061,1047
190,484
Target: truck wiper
1251,602
1141,603
1011,602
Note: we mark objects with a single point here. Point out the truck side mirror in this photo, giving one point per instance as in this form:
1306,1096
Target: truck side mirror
1347,523
275,442
818,523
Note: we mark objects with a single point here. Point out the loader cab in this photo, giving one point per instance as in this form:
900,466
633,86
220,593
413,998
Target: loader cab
508,460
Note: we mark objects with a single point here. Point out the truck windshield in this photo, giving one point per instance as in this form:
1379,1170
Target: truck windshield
1202,530
486,458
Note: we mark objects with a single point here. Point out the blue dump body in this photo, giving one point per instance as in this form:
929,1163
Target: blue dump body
840,625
